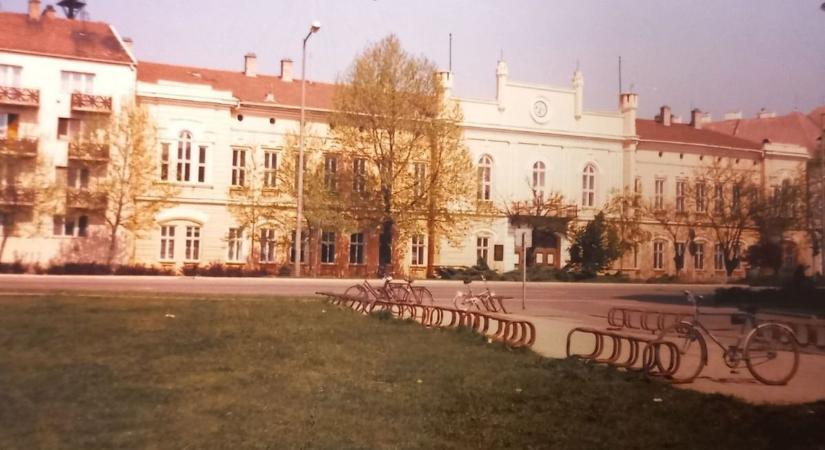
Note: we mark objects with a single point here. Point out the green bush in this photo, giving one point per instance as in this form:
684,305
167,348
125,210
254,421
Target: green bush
79,269
143,270
216,269
15,267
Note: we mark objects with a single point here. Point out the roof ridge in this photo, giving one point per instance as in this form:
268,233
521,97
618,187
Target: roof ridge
24,15
233,72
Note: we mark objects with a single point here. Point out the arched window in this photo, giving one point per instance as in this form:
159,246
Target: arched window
538,178
485,177
184,166
589,186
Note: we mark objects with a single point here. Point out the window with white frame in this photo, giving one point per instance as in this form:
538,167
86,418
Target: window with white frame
699,256
719,198
71,226
419,179
10,75
589,186
680,195
538,179
235,245
331,173
485,178
184,161
719,257
359,178
482,248
238,166
304,246
71,82
418,250
327,247
700,197
193,243
164,161
658,255
680,250
77,177
356,248
659,193
167,242
267,241
270,168
201,163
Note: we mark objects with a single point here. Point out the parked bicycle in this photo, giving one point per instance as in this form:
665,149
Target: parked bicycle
769,350
401,291
465,300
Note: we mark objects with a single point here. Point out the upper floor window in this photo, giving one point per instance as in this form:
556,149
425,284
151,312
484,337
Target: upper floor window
331,173
637,185
9,125
538,178
485,177
184,167
659,193
718,198
418,247
77,82
700,197
10,75
235,247
419,179
589,185
356,248
680,196
736,197
359,178
270,168
238,166
183,160
77,177
327,247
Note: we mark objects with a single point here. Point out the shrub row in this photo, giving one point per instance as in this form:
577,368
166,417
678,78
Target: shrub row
807,298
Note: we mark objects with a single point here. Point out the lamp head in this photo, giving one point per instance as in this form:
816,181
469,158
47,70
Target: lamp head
316,25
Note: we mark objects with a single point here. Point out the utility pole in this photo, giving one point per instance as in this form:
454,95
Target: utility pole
822,192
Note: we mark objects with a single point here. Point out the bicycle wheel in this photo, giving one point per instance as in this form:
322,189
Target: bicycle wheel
693,351
461,302
398,293
422,295
357,292
772,353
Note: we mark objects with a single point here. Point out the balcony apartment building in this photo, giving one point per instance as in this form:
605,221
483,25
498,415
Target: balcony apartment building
215,127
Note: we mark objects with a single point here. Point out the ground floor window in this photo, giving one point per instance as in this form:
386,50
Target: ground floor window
699,256
70,225
356,248
719,257
267,245
482,248
235,241
658,255
418,248
327,247
304,246
193,243
167,242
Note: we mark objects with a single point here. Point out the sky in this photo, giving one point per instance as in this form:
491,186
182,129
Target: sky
719,56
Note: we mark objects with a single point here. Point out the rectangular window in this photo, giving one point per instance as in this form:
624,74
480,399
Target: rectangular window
184,165
359,172
637,185
238,166
719,257
327,247
680,196
419,179
482,248
356,248
270,168
267,245
418,250
304,247
5,223
193,243
498,252
719,198
700,197
658,255
680,248
235,243
71,82
331,173
164,161
72,226
63,128
10,75
659,194
77,177
699,257
736,197
201,164
8,173
167,242
9,125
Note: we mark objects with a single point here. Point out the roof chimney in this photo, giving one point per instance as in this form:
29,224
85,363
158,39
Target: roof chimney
765,114
628,105
735,115
250,65
49,12
286,70
34,9
665,115
696,118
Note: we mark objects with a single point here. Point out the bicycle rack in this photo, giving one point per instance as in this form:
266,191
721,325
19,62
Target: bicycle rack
653,356
514,333
642,319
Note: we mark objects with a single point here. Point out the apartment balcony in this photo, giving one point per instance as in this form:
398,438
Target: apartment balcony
84,199
18,147
16,195
91,103
19,96
88,152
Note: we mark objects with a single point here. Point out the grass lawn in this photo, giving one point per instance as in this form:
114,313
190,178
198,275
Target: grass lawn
186,372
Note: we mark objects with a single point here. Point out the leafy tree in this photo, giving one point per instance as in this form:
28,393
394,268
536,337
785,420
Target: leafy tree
542,212
595,246
624,213
774,213
677,219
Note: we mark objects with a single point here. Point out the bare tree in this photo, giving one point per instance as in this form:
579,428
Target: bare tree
625,214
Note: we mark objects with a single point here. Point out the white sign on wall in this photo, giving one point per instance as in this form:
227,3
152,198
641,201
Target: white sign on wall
527,234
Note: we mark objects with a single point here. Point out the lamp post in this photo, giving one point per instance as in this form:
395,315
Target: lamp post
298,235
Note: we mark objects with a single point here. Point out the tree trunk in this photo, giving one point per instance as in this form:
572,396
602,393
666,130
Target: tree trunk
385,248
112,246
431,244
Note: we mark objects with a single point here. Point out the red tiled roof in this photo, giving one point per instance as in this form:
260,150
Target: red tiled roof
247,89
650,130
794,128
61,37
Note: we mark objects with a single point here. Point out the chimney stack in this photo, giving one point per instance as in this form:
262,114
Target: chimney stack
49,12
34,9
250,65
628,105
286,70
665,115
765,114
696,118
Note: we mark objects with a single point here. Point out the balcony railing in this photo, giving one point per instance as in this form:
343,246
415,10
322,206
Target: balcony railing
18,147
91,103
19,96
88,152
16,195
83,199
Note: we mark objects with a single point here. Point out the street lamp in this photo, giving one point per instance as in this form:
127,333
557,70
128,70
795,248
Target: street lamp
298,235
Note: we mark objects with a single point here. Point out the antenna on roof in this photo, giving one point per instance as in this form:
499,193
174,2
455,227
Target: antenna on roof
450,63
71,7
620,74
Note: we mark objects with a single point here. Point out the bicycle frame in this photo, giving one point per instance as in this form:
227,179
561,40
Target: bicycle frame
731,354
